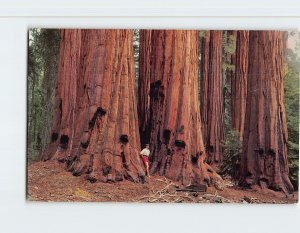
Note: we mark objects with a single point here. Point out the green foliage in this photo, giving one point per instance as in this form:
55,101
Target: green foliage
227,106
229,43
42,65
291,89
294,171
293,159
228,67
202,33
229,47
232,147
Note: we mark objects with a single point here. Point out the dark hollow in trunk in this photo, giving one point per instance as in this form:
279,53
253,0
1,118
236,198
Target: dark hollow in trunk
95,112
169,110
264,158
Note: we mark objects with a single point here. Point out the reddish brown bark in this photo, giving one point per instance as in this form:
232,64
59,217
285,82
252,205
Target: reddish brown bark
264,159
204,81
174,122
144,85
95,125
212,95
239,82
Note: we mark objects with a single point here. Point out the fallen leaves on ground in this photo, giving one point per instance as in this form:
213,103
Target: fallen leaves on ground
49,181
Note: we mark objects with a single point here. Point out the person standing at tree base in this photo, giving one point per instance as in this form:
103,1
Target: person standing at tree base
145,156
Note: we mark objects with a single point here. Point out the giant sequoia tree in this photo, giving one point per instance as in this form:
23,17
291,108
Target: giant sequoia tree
264,159
212,94
239,82
169,110
95,126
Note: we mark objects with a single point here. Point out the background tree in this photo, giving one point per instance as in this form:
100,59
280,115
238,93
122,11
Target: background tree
264,158
204,79
95,125
169,70
291,90
42,67
239,82
212,94
228,71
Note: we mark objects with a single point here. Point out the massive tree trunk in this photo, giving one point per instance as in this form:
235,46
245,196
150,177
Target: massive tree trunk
212,95
169,71
239,82
264,160
95,126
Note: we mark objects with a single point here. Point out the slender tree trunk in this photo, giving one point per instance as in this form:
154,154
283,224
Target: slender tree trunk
95,126
170,63
212,95
32,115
232,56
144,85
239,82
264,160
228,65
204,80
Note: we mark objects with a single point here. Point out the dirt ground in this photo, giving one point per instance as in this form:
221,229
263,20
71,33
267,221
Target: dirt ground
49,181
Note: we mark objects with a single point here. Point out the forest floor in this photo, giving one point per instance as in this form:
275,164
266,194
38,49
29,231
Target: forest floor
49,181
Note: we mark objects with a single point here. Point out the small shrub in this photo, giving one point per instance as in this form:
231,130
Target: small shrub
232,147
293,158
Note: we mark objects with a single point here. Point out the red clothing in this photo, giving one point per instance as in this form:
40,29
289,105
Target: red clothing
145,159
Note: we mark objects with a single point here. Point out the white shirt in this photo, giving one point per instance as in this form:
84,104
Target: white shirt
145,152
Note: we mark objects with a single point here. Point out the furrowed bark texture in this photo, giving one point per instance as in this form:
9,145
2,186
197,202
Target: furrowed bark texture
169,64
204,80
95,124
264,159
212,95
144,85
239,82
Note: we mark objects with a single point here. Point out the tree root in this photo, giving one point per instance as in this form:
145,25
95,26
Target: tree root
168,194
